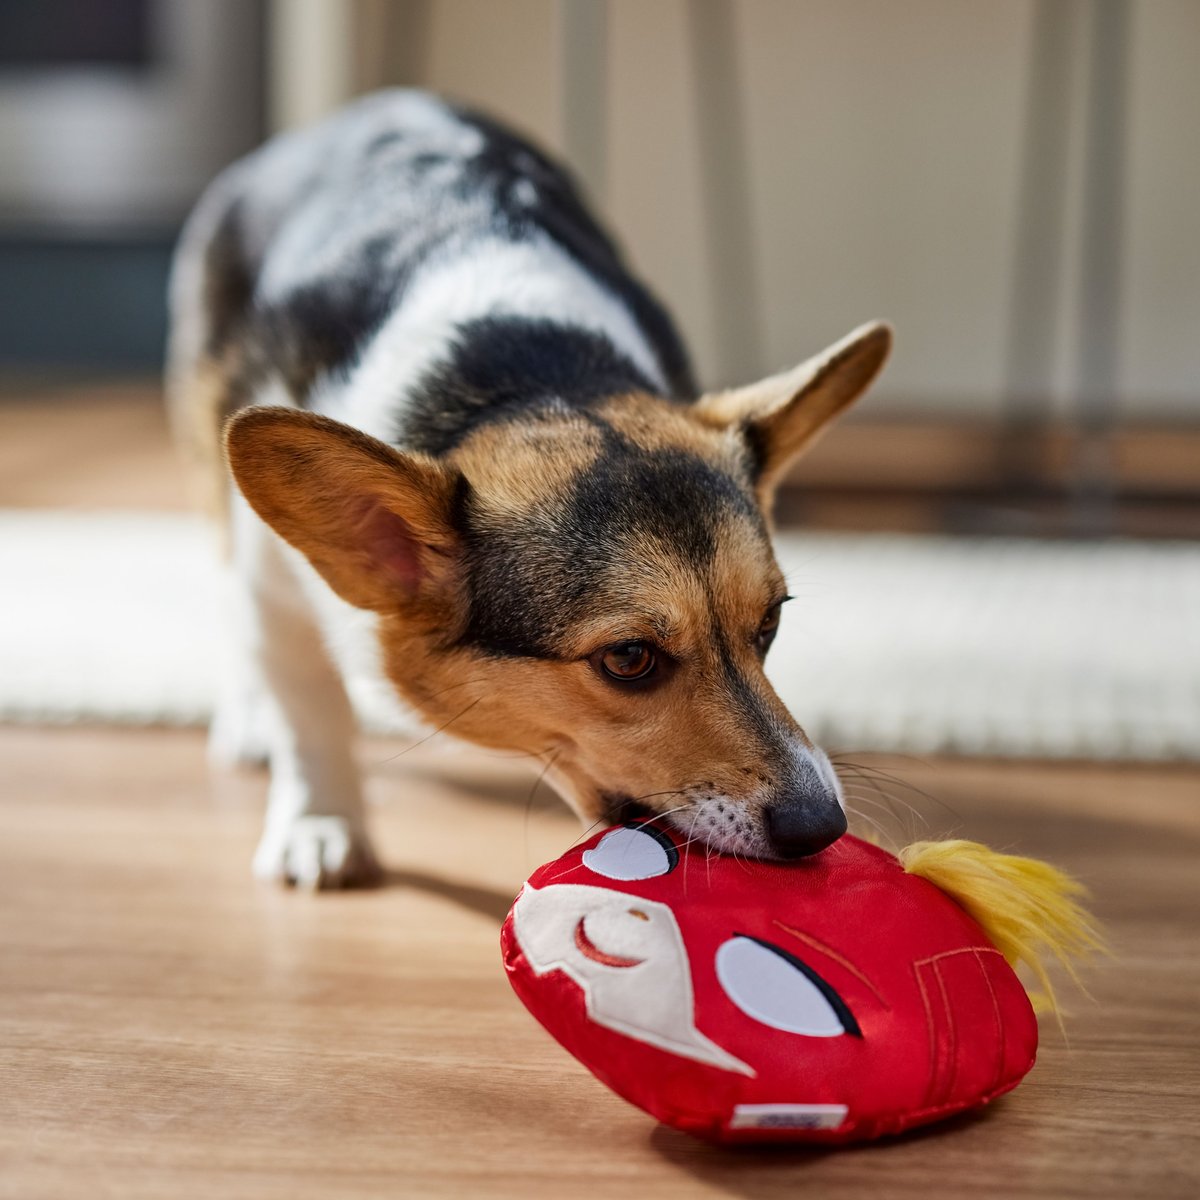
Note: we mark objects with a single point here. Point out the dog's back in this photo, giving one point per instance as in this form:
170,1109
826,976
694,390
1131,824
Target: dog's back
410,268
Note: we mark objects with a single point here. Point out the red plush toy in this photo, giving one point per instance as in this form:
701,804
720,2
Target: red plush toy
829,999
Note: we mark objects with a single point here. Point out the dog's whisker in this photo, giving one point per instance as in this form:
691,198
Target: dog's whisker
909,823
550,757
871,769
857,800
533,791
870,821
691,830
921,760
589,830
440,729
889,798
568,871
654,795
878,799
451,687
677,808
873,777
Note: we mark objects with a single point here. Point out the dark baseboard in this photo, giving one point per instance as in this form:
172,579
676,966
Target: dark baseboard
69,303
986,458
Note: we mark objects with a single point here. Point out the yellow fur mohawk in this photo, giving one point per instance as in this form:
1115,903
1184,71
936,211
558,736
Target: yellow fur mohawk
1029,910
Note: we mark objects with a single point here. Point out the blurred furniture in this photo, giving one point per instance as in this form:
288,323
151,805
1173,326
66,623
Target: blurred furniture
113,116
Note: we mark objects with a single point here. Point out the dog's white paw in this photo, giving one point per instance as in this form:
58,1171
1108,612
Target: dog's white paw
317,853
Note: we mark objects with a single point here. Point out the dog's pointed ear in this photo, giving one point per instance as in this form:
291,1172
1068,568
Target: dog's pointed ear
783,415
375,522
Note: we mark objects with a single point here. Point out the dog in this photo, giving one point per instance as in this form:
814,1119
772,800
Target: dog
457,454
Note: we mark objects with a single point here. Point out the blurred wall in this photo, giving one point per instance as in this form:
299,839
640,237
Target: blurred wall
883,145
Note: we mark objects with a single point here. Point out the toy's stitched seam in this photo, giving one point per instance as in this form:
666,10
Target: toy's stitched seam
953,1029
933,1050
932,962
934,958
835,957
1003,1051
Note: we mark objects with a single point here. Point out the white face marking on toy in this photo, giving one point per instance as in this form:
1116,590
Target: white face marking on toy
628,957
767,987
628,853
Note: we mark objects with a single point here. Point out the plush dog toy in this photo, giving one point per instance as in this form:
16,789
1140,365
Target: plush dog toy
830,999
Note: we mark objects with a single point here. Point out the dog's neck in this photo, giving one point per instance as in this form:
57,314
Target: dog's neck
468,344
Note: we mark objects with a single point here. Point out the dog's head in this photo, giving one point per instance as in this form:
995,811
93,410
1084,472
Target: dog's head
595,586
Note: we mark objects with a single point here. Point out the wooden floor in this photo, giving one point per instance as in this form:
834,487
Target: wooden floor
169,1028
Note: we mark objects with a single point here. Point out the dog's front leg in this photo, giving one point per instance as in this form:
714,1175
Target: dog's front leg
315,832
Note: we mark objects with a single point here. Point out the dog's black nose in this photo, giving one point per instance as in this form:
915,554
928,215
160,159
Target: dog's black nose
799,827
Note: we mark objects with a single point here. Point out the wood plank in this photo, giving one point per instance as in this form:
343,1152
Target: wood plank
168,1028
103,445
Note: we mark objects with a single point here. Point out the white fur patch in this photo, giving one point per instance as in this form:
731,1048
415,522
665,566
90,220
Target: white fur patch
492,278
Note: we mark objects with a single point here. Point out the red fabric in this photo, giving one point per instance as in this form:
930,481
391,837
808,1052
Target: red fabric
945,1025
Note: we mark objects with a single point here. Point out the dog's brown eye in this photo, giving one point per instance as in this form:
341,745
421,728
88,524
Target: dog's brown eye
627,661
768,629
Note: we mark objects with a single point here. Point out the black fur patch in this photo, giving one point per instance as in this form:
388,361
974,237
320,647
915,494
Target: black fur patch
228,281
559,211
743,697
531,580
325,230
620,809
756,450
503,368
320,327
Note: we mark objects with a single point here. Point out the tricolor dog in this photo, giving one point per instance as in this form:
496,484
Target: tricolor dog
457,452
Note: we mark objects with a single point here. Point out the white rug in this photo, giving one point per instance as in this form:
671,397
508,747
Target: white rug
1019,648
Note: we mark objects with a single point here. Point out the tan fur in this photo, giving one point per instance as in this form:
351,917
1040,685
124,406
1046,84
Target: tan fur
787,413
518,467
654,424
317,482
198,406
